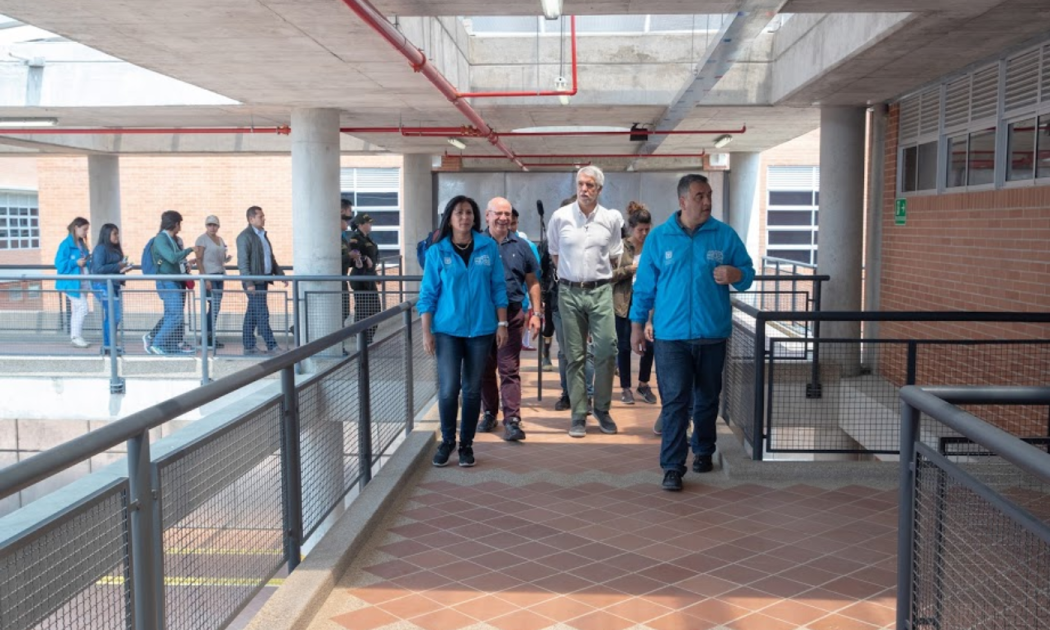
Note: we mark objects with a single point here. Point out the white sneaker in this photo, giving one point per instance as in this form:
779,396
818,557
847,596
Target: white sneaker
79,342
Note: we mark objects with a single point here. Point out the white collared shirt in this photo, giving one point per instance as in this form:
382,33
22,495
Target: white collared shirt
267,255
584,244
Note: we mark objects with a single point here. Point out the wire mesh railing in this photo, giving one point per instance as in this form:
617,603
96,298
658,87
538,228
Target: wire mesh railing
217,318
790,393
185,537
974,539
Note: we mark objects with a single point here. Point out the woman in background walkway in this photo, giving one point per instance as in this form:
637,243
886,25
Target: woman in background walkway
212,253
171,260
639,222
108,258
73,258
463,301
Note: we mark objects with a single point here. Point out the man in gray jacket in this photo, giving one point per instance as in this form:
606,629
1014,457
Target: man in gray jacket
255,258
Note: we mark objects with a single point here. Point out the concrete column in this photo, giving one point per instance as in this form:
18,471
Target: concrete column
841,225
418,215
743,199
104,185
315,217
873,238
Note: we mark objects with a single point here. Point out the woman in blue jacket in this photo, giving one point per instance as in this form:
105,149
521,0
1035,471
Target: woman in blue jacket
72,259
463,301
108,258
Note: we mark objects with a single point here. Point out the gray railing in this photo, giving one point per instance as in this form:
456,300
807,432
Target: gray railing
192,526
974,521
790,393
37,322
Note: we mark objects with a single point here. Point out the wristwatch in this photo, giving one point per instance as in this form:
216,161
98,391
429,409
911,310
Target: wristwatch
502,324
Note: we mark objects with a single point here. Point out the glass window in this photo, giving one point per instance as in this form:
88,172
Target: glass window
19,220
385,237
1021,150
981,163
910,169
790,217
927,175
1042,162
957,161
377,191
790,198
793,237
797,255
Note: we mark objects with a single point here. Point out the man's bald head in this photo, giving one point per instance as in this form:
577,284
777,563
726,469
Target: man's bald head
498,215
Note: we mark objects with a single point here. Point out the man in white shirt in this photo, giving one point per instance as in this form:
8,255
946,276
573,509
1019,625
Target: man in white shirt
584,240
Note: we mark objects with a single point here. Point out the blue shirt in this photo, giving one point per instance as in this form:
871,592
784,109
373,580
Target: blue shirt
518,261
675,279
267,254
463,298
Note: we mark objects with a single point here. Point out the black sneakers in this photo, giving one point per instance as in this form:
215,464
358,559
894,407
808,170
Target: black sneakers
627,397
466,456
563,403
605,422
578,428
672,481
512,430
646,393
488,422
443,453
703,464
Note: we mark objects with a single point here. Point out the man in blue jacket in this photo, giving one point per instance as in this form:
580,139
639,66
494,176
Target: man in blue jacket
683,276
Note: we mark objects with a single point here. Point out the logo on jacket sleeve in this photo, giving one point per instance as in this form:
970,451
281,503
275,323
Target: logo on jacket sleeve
668,256
448,260
715,256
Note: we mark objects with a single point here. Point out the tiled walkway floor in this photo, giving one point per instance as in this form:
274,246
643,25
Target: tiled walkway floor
576,534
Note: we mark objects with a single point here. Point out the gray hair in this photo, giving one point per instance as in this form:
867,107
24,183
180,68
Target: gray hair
687,181
592,171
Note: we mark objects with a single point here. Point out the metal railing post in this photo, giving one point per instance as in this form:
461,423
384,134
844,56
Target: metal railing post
116,383
815,389
205,331
758,412
913,357
291,470
296,324
410,381
147,579
364,420
910,419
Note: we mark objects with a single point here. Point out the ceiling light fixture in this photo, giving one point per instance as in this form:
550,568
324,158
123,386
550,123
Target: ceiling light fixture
28,122
723,140
551,9
561,84
459,144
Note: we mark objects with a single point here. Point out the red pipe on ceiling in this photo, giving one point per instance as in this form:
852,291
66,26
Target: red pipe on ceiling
575,84
585,156
468,132
572,164
418,60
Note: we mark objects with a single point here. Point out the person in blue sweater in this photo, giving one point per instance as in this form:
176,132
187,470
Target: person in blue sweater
72,259
463,301
108,258
687,266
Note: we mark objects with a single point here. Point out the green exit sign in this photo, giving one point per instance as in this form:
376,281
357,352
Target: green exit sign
900,212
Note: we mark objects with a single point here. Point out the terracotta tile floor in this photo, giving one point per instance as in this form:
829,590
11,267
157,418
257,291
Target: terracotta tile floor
576,534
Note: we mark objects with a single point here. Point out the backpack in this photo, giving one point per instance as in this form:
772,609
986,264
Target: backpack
149,263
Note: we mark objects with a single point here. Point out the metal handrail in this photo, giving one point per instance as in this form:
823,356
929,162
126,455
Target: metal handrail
38,467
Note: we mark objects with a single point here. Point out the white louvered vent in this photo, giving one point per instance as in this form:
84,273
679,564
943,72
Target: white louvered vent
929,111
1022,81
909,119
1044,83
793,178
957,103
985,93
383,179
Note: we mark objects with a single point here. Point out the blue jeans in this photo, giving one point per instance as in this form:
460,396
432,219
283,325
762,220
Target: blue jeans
103,299
170,335
563,365
257,316
214,297
689,375
461,363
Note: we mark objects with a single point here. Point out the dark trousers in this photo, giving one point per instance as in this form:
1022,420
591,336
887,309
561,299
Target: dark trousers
366,304
257,317
214,297
689,374
507,361
460,362
623,355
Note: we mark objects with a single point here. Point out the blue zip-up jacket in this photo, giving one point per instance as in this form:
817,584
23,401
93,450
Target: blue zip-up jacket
463,299
69,252
675,279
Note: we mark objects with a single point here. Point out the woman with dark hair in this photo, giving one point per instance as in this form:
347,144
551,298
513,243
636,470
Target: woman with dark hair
108,258
639,223
463,301
73,258
171,260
